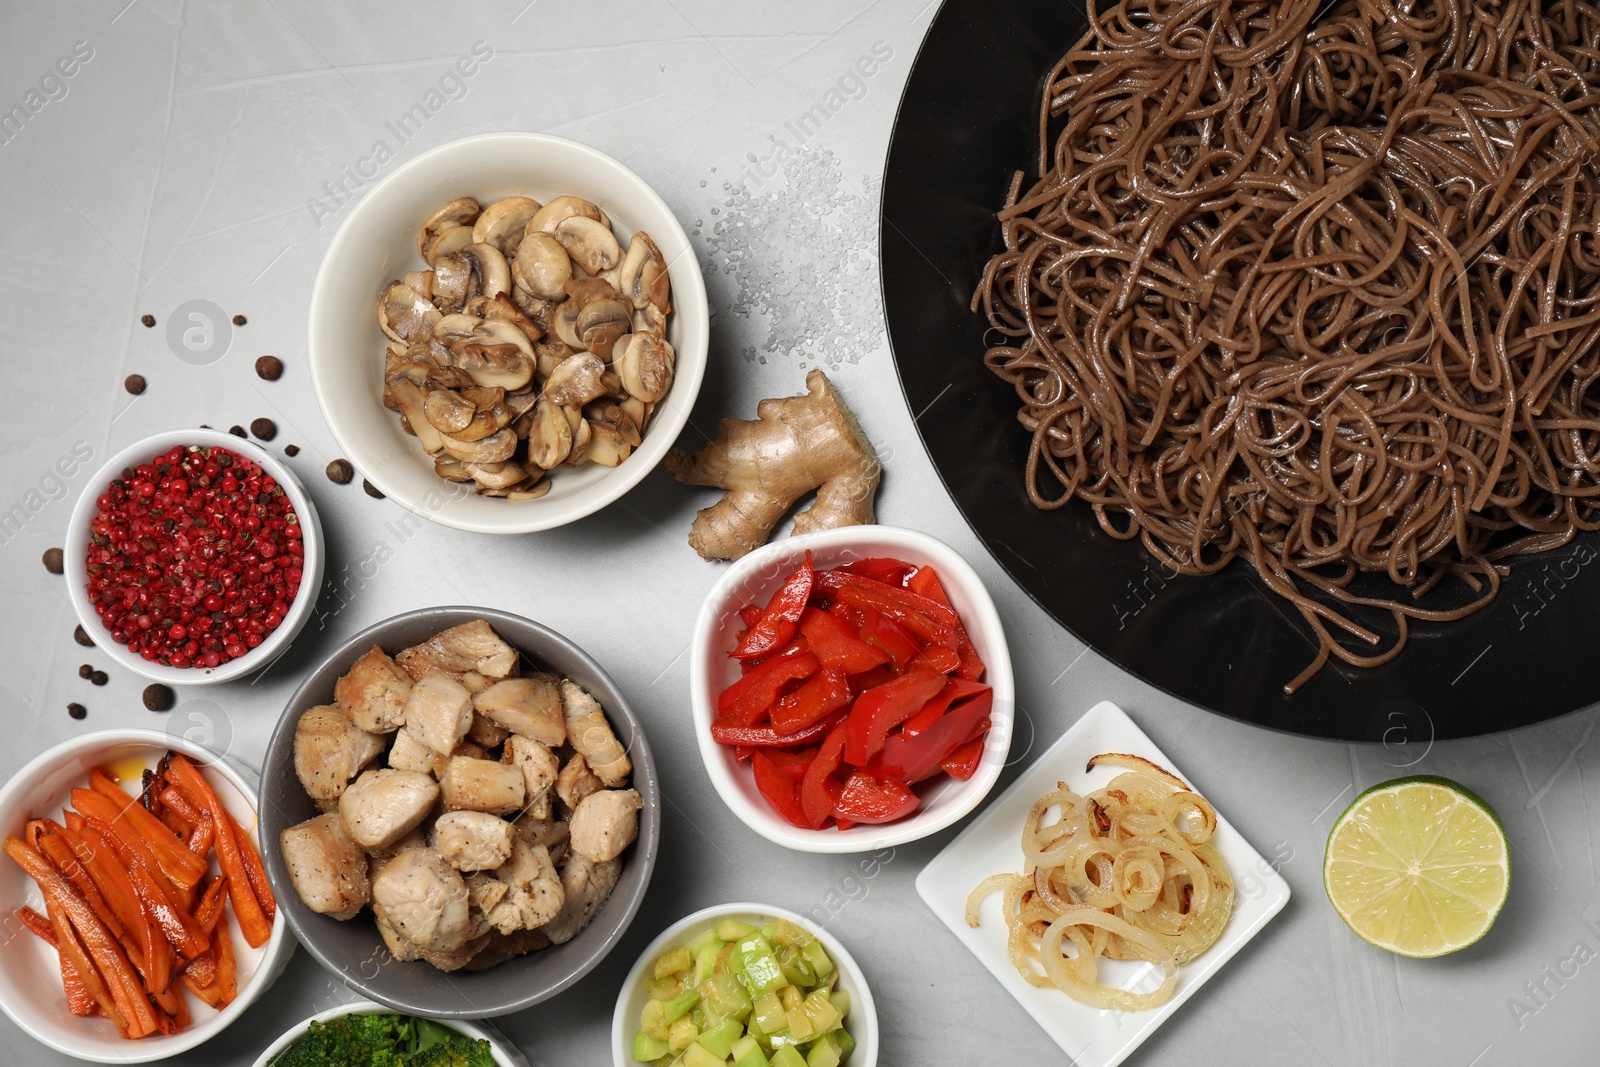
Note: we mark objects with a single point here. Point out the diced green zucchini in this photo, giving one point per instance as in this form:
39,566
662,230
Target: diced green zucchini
697,1055
768,930
825,1017
682,1034
681,1005
720,1038
768,1013
653,1019
788,1056
734,930
747,1052
845,1042
817,957
841,1001
647,1048
756,964
823,1054
787,933
675,962
706,938
724,997
705,961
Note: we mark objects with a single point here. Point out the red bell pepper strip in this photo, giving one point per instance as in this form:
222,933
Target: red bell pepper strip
780,791
822,694
749,615
926,583
879,710
776,626
818,789
936,658
835,582
955,689
729,733
881,569
866,798
745,701
887,635
962,764
911,759
838,643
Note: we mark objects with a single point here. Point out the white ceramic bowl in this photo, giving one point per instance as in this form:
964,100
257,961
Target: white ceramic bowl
376,244
505,1054
30,975
862,1022
75,553
752,580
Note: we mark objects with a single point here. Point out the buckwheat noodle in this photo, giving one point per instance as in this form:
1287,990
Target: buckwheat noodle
1316,290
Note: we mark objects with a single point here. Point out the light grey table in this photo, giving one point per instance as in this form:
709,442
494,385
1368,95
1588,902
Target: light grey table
209,151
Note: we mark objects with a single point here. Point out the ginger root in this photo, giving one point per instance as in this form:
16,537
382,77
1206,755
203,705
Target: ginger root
796,444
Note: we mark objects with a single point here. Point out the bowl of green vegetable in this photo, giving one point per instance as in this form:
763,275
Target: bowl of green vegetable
747,984
361,1032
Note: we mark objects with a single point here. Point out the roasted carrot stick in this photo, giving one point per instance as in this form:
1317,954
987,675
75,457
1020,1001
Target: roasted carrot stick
76,963
37,925
253,922
209,910
156,896
200,837
145,943
48,838
200,978
227,973
109,978
182,867
79,1002
255,869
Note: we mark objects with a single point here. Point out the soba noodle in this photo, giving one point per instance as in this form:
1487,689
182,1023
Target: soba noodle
1318,291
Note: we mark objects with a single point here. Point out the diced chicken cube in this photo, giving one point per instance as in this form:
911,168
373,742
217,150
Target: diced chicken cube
576,781
409,754
605,823
326,866
424,899
539,768
586,886
398,946
529,707
591,736
481,785
536,894
373,693
471,646
382,806
486,732
330,750
473,840
439,712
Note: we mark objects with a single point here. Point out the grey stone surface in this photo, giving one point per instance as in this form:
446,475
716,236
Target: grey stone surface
208,152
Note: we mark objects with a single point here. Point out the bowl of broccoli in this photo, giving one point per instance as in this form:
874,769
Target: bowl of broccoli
362,1033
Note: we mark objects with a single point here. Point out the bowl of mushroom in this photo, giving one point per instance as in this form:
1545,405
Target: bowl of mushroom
461,813
508,332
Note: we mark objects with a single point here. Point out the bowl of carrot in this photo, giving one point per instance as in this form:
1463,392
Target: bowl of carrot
138,914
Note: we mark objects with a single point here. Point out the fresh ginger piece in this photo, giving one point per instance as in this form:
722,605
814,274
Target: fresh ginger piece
796,444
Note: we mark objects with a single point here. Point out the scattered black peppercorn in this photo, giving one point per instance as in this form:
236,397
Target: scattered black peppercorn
239,320
149,321
291,450
265,429
237,430
52,560
80,635
373,491
135,384
340,472
99,678
269,368
76,710
85,671
158,697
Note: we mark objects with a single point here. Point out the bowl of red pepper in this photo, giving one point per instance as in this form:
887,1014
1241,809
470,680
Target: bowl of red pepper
193,557
851,689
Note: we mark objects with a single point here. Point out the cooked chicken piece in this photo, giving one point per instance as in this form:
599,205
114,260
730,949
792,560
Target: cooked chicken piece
417,664
502,947
590,735
398,947
472,840
575,782
587,885
484,890
439,712
481,785
424,899
605,823
328,869
539,767
329,750
373,693
454,961
472,646
417,838
475,682
487,732
551,833
409,754
529,707
382,806
536,894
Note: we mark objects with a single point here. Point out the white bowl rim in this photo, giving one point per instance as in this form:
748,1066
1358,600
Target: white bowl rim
528,517
866,1051
149,1049
77,540
984,618
505,1052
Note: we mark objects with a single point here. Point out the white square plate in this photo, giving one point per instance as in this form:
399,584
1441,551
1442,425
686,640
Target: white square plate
992,844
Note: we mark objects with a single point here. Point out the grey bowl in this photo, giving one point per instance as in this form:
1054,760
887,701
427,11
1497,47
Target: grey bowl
353,951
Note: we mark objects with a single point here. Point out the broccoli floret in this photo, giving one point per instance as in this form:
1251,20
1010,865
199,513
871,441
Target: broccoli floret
384,1040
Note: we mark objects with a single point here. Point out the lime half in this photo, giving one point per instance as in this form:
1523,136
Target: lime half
1419,866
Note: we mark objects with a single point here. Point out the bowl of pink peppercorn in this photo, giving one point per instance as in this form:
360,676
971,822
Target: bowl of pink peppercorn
193,557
